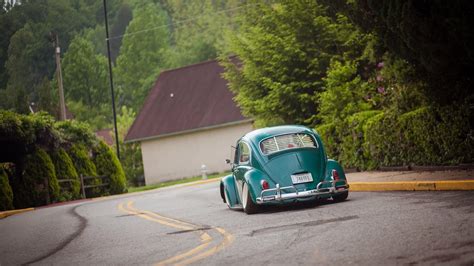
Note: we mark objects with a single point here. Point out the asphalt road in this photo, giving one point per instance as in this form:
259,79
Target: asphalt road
191,225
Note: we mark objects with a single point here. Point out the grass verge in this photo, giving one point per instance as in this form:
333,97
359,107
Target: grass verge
174,182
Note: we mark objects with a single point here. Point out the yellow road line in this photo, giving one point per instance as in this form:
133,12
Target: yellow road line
198,253
130,206
228,239
144,216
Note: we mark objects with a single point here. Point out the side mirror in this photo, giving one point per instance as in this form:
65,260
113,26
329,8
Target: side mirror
227,161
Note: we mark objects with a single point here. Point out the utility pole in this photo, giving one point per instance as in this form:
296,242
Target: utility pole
62,105
111,79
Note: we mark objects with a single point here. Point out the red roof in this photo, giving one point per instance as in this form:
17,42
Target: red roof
185,99
106,135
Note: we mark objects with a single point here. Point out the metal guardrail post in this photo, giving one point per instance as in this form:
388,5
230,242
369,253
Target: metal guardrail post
82,187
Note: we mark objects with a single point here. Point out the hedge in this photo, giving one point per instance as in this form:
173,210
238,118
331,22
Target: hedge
38,181
108,164
353,153
85,167
425,136
65,170
25,141
6,193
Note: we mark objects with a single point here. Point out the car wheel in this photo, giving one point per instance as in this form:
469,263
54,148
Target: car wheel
247,203
340,197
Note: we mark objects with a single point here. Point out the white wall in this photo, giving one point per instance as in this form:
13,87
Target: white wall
179,156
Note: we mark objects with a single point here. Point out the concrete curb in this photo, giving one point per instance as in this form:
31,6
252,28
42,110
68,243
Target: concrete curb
413,186
5,214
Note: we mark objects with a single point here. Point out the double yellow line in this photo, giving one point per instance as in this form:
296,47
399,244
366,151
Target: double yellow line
205,249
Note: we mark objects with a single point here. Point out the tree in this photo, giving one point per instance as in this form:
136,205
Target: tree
131,158
198,29
85,83
141,55
435,37
283,55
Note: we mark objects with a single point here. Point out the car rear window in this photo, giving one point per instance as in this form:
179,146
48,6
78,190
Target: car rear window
285,142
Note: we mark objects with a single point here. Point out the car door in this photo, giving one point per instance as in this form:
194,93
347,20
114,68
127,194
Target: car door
241,164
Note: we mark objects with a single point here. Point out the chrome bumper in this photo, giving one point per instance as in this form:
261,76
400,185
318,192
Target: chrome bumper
279,195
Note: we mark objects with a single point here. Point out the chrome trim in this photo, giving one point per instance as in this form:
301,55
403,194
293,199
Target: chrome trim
279,196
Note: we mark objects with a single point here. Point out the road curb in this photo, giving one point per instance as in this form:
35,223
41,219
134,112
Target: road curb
413,185
5,214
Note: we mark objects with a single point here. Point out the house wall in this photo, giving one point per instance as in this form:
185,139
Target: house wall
179,156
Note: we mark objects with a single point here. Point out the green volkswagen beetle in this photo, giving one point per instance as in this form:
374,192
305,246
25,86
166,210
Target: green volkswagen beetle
279,165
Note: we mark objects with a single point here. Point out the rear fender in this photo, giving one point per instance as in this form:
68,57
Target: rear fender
253,179
334,165
228,186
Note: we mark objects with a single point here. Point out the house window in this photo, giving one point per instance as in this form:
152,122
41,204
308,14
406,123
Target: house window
285,142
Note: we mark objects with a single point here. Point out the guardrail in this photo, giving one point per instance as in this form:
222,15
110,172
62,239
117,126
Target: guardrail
83,186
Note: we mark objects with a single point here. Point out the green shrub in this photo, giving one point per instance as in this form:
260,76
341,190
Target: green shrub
65,170
352,147
20,134
6,194
382,141
38,181
331,139
85,167
76,132
81,160
435,136
108,164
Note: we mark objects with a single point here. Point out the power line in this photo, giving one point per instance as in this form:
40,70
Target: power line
178,22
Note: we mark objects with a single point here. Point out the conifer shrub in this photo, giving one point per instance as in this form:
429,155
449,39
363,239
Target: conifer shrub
6,193
65,170
108,164
38,181
85,167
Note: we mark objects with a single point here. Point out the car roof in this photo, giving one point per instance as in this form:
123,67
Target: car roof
257,135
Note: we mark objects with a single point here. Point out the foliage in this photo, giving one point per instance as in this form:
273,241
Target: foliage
76,132
330,138
199,28
344,94
131,155
85,166
20,133
425,136
38,182
6,194
64,168
141,55
284,51
81,159
353,136
27,49
435,37
108,164
85,80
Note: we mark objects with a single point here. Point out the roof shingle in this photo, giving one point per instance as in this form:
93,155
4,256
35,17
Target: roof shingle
184,99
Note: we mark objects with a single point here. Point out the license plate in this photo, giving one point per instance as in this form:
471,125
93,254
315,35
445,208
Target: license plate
302,178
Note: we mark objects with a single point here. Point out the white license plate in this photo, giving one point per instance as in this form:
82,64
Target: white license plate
302,178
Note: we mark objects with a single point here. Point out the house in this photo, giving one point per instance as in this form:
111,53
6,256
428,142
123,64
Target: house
189,119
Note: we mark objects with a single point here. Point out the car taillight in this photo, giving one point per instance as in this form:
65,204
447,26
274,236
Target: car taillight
335,174
265,184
